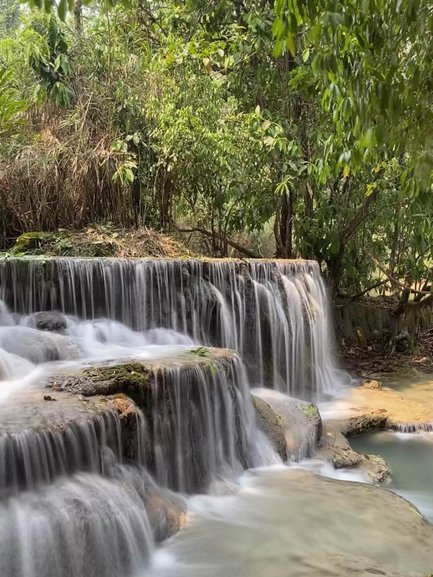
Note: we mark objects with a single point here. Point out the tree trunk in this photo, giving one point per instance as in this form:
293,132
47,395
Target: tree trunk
78,17
283,227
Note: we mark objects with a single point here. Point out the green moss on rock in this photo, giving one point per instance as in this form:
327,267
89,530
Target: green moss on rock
125,375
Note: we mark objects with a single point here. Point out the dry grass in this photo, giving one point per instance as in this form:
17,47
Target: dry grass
101,241
63,177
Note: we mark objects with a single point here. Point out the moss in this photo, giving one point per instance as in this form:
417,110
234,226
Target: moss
127,375
200,351
32,243
310,410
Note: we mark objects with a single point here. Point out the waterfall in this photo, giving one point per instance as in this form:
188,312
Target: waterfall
218,439
83,526
75,491
37,456
275,314
192,425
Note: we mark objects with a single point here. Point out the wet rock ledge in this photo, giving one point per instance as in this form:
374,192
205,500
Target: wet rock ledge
102,417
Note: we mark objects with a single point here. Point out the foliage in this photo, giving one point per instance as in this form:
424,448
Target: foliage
226,119
52,65
10,105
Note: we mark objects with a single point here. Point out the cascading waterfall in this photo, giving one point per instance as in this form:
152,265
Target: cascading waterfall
275,314
83,526
217,441
32,458
71,496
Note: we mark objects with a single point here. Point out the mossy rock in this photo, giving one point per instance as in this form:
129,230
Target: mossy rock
132,379
363,424
271,425
129,374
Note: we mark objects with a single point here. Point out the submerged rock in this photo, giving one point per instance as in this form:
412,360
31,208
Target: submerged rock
290,522
371,384
38,346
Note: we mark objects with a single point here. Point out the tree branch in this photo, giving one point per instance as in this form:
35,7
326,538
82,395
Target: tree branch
397,282
209,234
362,293
361,214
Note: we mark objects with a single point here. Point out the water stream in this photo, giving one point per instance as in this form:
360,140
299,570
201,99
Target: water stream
79,499
288,522
276,315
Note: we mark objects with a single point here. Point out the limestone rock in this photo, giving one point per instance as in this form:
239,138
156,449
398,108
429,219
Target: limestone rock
371,384
52,321
378,470
167,515
336,449
368,423
299,420
271,424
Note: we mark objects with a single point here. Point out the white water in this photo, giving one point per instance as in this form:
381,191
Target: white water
28,355
275,314
84,526
203,429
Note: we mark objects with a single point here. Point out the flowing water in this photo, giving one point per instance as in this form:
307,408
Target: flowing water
275,314
81,496
82,526
287,522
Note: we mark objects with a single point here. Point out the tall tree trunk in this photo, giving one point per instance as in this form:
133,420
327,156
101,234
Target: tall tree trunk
78,17
283,227
335,268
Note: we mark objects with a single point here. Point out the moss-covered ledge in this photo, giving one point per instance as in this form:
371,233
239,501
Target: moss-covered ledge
137,378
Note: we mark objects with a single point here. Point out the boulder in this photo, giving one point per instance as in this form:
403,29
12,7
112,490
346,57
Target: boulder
368,423
335,448
52,321
300,421
167,514
272,426
166,510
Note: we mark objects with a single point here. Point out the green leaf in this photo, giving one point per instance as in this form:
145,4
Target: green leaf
62,9
291,44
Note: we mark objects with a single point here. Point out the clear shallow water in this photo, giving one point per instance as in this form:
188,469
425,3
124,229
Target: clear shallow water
410,457
288,522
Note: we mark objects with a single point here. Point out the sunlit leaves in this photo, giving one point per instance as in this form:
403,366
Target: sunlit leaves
10,104
363,56
64,7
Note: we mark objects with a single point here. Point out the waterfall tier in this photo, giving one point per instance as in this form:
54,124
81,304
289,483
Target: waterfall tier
83,526
112,396
274,313
190,423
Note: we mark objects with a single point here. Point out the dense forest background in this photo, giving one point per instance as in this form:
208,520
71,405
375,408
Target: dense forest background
287,128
